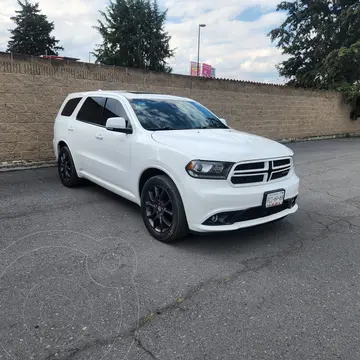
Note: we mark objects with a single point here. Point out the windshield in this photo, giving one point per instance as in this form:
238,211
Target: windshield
174,115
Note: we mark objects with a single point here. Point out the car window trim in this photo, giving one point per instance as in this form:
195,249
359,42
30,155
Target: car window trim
67,102
102,112
90,123
128,119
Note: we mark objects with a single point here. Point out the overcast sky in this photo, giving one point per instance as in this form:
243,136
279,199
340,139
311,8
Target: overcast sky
234,41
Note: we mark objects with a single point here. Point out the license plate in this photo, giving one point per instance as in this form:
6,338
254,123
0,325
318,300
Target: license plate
274,198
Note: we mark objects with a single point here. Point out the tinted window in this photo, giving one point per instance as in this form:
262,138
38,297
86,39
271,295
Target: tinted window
91,110
70,107
174,115
113,108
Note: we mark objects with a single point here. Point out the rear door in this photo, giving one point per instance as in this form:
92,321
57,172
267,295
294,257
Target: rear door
88,130
64,127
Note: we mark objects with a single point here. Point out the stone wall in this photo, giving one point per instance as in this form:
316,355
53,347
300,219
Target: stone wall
32,90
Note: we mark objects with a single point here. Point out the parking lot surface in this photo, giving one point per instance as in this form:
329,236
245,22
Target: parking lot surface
80,278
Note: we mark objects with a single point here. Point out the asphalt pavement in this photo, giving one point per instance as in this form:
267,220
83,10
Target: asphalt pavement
80,278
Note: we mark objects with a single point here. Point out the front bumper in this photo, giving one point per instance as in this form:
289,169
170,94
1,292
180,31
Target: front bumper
205,198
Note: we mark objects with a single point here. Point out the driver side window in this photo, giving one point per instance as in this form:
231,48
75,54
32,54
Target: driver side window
113,108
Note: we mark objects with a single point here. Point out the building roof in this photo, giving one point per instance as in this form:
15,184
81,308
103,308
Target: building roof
59,57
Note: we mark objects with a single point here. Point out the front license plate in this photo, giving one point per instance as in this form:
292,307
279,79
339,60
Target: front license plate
274,199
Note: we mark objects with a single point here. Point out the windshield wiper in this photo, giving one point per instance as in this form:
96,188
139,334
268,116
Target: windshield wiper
163,128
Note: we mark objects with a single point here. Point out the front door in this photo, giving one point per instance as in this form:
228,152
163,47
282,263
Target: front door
115,148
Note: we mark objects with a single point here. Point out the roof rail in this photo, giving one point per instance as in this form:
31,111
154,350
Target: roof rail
143,92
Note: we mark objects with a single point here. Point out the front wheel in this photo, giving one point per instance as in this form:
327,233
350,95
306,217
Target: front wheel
162,209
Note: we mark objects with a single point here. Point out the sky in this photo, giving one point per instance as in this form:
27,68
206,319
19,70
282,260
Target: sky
234,41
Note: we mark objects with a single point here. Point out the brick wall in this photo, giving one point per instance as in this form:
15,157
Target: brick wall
31,91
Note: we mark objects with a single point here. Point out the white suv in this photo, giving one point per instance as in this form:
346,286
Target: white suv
179,162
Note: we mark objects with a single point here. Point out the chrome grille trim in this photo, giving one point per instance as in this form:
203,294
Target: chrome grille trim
264,169
278,168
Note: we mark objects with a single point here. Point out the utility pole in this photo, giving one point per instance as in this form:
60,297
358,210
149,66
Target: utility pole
198,60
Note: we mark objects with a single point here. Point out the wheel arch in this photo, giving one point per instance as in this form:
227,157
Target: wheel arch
151,172
60,144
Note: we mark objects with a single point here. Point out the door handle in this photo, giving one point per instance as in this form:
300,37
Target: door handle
99,136
70,128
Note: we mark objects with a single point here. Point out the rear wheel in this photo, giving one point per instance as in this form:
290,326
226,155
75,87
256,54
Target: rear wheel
162,209
66,168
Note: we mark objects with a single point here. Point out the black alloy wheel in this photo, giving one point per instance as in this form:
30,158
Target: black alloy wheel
162,209
66,168
159,209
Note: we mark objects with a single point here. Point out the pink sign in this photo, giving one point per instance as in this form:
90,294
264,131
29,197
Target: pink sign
193,69
206,70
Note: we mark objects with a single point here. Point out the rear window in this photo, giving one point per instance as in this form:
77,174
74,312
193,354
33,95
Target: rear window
70,106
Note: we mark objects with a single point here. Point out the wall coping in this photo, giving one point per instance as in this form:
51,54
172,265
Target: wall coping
68,65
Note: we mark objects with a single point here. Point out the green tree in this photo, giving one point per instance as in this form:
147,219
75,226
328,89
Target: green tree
31,35
134,36
322,41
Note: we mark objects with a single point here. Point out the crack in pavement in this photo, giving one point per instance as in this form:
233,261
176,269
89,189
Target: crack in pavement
334,220
70,353
351,225
325,192
353,202
142,347
327,226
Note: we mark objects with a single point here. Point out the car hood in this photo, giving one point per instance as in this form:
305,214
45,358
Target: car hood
221,144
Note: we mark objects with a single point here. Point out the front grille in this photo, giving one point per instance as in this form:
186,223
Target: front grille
283,162
248,179
258,212
250,166
279,174
258,172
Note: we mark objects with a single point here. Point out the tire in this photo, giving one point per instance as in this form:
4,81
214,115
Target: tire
156,206
66,168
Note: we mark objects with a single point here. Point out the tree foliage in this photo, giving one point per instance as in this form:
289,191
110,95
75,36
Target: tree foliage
31,35
134,36
322,41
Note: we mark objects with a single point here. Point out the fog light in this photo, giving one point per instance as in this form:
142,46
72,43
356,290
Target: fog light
214,219
223,218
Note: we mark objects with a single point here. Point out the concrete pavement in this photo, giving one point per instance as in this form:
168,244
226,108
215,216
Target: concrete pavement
80,278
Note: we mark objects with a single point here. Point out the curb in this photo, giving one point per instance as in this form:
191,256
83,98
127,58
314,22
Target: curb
25,165
320,137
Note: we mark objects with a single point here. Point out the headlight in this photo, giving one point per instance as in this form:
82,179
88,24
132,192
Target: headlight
203,169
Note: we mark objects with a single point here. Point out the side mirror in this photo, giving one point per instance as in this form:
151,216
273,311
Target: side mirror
223,121
117,124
